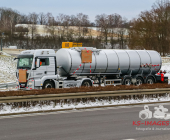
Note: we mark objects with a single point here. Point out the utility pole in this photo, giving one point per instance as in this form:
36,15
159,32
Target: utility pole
1,44
1,40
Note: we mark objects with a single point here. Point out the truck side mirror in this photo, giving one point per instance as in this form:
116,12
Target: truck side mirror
37,63
15,58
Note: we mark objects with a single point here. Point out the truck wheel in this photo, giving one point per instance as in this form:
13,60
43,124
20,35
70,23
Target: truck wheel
86,83
139,81
48,84
150,80
127,81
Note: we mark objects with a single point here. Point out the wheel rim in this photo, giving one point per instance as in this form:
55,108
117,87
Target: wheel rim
48,86
149,81
139,82
128,82
86,84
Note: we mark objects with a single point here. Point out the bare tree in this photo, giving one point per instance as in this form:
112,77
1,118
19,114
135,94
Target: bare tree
42,19
51,26
32,20
102,23
82,21
72,20
114,21
151,29
61,24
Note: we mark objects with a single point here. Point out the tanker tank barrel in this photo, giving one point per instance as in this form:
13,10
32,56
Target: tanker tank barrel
108,61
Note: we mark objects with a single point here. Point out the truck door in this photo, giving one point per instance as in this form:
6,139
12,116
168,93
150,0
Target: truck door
46,66
51,67
42,69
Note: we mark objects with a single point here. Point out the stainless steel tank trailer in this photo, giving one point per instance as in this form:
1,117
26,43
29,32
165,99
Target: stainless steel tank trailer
82,66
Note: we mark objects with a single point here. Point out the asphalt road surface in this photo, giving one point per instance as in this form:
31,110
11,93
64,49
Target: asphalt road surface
95,124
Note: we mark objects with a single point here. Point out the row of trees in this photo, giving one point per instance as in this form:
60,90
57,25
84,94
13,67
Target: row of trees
113,28
76,28
151,30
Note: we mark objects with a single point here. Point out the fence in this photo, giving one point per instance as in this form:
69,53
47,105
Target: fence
7,85
48,97
165,59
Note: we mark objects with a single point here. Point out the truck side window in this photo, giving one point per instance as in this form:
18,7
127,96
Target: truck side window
44,61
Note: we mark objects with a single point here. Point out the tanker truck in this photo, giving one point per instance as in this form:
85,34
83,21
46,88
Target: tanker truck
85,66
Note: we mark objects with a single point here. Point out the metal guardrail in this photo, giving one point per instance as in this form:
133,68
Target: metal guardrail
7,85
48,97
165,59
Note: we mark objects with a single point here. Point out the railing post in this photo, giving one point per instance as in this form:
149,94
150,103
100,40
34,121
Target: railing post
1,44
6,86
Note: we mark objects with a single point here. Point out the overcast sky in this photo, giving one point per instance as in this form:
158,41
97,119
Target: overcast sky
126,8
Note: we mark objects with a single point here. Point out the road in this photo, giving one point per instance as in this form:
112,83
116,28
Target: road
94,124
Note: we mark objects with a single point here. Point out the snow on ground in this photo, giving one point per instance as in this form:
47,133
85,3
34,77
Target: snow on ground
166,66
5,109
4,54
7,68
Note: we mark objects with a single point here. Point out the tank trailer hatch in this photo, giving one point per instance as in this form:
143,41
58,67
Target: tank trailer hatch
86,53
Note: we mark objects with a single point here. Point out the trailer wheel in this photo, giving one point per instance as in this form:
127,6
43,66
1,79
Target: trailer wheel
48,84
150,80
127,81
86,83
139,81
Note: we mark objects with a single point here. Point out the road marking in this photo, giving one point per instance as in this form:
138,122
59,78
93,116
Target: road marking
128,139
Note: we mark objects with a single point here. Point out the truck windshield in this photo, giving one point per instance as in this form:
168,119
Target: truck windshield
24,61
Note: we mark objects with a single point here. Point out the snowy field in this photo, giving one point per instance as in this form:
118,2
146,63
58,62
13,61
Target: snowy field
7,68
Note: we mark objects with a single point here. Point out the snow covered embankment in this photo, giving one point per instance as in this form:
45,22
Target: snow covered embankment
7,68
73,104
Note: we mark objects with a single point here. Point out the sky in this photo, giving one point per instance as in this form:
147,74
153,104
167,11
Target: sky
126,8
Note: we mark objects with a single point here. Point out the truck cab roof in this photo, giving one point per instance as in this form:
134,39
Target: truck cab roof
39,52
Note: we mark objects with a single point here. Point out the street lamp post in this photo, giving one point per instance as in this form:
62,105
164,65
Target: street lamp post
1,40
1,44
